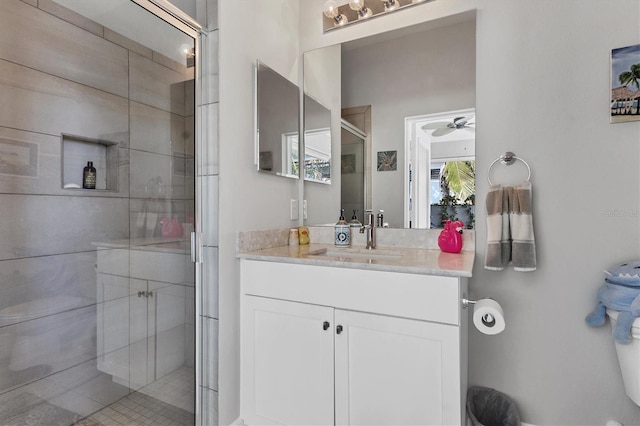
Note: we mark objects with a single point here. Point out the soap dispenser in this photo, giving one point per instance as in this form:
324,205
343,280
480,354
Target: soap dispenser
354,222
342,232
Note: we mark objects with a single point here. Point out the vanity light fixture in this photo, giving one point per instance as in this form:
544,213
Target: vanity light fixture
331,11
188,52
360,10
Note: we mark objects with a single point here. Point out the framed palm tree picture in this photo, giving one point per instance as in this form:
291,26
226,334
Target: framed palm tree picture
625,84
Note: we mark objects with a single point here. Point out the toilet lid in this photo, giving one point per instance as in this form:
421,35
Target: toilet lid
636,324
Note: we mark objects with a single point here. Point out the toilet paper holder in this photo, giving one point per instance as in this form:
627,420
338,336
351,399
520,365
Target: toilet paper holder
487,319
467,302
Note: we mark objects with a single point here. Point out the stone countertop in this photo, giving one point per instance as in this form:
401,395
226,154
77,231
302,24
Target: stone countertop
391,259
167,245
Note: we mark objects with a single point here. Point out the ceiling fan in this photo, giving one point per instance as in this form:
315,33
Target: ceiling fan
442,128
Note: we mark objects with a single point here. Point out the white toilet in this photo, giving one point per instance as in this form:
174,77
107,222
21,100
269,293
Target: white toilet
629,358
37,308
36,336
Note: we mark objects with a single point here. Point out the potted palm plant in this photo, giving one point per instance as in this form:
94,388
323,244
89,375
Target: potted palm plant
458,183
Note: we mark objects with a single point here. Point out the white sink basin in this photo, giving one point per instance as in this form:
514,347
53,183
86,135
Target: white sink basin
356,253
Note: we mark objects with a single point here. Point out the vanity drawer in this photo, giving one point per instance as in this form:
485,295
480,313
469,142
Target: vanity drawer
424,297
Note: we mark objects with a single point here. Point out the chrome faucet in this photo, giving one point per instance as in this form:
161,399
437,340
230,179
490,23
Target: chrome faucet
371,230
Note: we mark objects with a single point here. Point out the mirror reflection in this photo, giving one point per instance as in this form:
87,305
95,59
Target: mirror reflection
317,141
445,190
352,170
355,144
424,73
277,120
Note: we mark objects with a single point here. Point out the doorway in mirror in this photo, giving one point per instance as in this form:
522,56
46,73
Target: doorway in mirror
440,160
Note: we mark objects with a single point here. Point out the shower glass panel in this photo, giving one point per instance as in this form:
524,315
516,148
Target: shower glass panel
97,286
352,187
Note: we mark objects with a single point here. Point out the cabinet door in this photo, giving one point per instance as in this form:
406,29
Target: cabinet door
287,363
141,341
395,371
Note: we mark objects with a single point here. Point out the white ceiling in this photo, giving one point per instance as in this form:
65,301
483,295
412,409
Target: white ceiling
132,21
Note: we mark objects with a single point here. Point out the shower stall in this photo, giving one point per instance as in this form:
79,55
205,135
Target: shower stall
99,287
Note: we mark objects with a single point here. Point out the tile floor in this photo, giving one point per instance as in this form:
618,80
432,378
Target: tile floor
138,409
85,396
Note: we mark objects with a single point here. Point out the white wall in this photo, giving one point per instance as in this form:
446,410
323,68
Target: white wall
531,101
427,72
542,92
249,30
321,72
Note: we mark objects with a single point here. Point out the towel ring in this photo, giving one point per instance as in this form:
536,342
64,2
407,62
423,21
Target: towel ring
508,158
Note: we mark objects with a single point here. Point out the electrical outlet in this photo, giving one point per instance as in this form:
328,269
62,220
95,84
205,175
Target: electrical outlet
293,209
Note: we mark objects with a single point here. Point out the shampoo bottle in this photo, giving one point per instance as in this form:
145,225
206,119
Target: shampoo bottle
89,176
342,232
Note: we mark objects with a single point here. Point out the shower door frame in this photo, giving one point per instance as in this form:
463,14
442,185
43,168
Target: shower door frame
183,22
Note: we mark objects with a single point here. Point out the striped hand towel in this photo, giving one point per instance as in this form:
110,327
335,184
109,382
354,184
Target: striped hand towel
510,237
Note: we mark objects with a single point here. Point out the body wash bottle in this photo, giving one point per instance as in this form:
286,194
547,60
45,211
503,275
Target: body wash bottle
342,232
89,176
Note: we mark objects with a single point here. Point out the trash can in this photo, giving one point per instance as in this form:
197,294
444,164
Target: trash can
489,407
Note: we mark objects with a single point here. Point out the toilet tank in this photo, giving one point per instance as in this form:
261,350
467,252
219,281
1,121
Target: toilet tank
629,358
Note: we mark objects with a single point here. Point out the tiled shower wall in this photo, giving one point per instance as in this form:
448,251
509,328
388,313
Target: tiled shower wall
63,74
209,175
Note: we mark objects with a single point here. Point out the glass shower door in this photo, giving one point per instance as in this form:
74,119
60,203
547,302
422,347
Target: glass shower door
97,284
352,189
155,350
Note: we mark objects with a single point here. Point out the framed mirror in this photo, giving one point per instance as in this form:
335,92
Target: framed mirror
317,141
418,70
276,123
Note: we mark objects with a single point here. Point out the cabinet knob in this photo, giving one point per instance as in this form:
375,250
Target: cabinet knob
339,329
325,325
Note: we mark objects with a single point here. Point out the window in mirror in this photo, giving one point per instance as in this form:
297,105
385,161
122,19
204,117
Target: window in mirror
317,141
435,189
277,119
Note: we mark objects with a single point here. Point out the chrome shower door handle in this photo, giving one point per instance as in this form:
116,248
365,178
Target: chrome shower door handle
196,247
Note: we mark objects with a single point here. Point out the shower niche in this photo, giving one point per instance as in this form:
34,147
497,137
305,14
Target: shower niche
77,151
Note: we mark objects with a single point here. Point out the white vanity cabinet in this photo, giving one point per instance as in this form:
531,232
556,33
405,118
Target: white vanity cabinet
288,368
144,296
325,345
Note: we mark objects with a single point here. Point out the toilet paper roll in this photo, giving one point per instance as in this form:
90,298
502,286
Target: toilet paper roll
488,316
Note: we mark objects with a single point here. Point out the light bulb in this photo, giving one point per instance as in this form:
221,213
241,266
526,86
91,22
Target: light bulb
186,51
360,7
417,1
390,5
356,4
331,11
